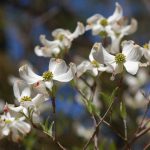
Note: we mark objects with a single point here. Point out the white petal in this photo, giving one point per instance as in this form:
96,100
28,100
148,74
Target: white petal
68,76
5,131
131,67
49,84
66,42
116,15
131,51
43,51
115,45
40,87
48,43
117,68
27,104
95,71
83,67
57,66
96,28
47,51
94,18
38,99
102,68
78,31
14,109
57,32
102,56
94,49
28,75
16,90
26,92
23,127
131,28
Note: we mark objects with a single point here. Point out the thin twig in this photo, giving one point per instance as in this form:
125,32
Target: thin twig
114,130
54,115
97,126
147,146
137,136
147,109
60,145
138,133
125,129
97,132
55,140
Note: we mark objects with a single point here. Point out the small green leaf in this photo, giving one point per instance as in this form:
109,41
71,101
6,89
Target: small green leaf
47,128
112,97
92,108
105,96
109,98
123,110
50,129
112,146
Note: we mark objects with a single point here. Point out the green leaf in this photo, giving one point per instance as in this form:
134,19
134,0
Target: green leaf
92,108
47,128
123,110
105,96
112,97
109,98
50,129
112,146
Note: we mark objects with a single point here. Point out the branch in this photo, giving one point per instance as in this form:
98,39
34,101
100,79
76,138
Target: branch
146,146
97,126
113,129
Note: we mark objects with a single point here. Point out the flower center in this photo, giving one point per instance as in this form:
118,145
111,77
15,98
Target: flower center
95,63
120,58
60,37
104,22
103,33
26,98
146,46
117,34
47,76
8,121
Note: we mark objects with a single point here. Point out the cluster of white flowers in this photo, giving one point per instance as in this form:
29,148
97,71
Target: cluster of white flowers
32,89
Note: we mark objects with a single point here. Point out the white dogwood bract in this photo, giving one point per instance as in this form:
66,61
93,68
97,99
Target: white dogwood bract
129,58
58,70
98,23
23,95
63,40
121,29
92,65
115,27
11,123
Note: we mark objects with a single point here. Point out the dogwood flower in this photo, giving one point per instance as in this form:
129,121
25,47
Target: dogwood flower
92,65
63,40
120,29
101,25
24,96
14,124
58,70
115,27
129,58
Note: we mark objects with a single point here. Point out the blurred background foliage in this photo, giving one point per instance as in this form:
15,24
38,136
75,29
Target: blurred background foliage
21,23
